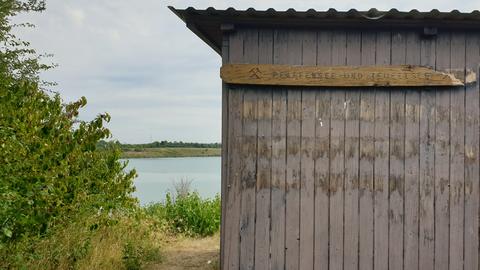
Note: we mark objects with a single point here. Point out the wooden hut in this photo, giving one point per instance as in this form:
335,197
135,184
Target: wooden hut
350,139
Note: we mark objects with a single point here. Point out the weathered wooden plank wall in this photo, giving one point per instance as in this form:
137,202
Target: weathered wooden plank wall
381,159
352,144
337,157
264,165
231,197
396,179
427,163
249,159
457,157
370,178
307,168
366,159
472,97
412,160
292,196
225,131
279,148
442,156
322,158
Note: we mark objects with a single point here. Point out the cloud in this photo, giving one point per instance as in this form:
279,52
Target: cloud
77,16
138,61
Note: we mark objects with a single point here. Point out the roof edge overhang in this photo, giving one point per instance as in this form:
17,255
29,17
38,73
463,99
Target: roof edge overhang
207,24
192,25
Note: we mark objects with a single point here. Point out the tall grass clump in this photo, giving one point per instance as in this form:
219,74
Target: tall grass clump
186,212
115,240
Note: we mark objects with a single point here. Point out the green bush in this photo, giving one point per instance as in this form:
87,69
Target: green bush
190,214
50,166
132,256
65,200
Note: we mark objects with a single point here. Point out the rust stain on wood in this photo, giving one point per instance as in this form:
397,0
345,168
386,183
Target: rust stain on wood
470,155
379,183
342,76
397,184
365,183
336,182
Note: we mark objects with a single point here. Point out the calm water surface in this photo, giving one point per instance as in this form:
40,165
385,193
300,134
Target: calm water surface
156,175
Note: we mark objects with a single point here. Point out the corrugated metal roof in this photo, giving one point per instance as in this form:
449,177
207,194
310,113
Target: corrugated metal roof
207,23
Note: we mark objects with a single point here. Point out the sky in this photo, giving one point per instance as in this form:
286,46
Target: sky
137,61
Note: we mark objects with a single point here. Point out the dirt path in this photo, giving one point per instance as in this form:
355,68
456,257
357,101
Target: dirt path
188,253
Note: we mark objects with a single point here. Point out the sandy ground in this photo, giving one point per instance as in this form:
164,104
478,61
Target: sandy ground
188,253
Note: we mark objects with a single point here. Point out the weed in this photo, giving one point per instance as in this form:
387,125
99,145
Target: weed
187,213
182,187
88,242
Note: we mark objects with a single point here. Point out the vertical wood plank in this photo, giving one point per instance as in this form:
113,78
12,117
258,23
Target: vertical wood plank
232,198
412,159
279,112
442,158
457,155
322,158
292,216
249,160
352,115
224,173
277,234
337,158
382,118
264,155
367,154
427,163
294,115
397,159
307,184
472,112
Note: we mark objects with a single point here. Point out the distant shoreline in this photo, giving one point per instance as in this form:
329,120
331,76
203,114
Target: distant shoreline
169,152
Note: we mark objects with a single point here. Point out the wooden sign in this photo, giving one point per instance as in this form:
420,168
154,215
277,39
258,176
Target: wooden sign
340,76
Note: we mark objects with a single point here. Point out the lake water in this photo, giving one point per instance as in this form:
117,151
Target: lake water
156,176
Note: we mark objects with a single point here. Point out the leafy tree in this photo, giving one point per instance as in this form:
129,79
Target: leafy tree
50,166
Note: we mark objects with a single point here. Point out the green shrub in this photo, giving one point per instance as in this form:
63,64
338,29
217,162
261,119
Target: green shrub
190,214
132,256
65,200
50,166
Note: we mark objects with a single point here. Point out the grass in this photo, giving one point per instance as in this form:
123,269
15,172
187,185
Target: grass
171,152
180,233
115,241
146,240
188,215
